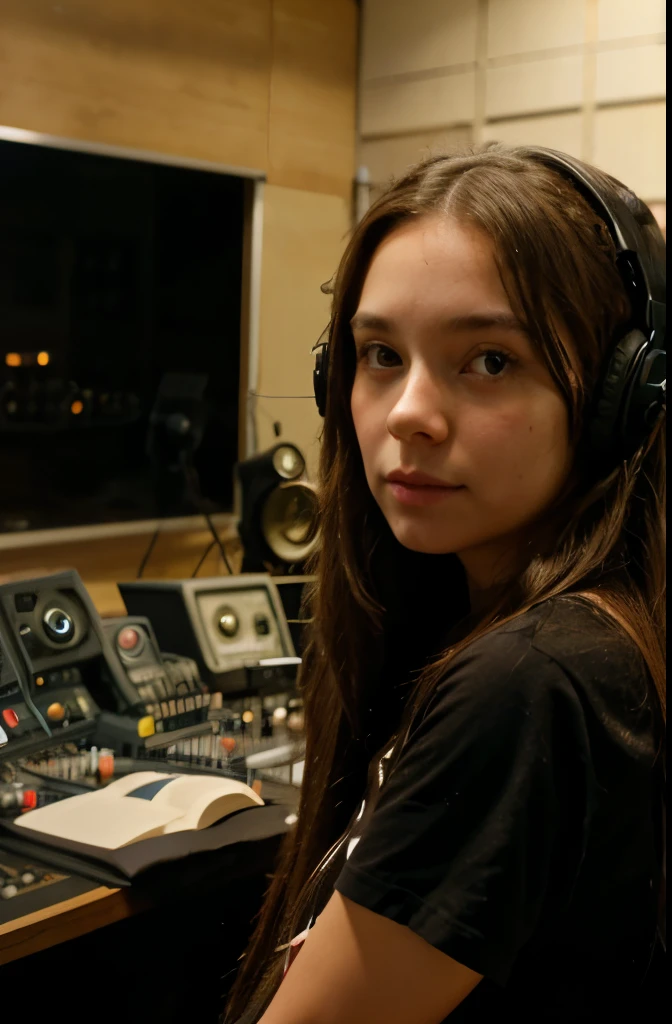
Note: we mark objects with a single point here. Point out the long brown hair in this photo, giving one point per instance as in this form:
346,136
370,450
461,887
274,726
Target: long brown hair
557,262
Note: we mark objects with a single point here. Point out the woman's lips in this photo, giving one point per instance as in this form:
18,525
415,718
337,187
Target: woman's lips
420,494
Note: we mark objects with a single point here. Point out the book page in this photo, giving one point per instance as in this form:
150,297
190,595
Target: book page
139,806
202,800
110,824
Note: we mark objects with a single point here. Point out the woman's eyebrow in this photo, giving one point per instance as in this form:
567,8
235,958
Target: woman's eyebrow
369,321
503,320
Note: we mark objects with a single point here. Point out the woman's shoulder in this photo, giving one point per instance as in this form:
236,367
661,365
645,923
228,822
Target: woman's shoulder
564,651
580,636
573,631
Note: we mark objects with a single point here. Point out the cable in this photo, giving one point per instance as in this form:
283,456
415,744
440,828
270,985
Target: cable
203,558
318,344
192,481
218,541
255,394
148,552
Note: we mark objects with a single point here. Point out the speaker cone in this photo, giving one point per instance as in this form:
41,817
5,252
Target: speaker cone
288,462
289,521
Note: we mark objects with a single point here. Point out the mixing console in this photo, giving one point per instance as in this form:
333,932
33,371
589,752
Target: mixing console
84,701
19,877
244,739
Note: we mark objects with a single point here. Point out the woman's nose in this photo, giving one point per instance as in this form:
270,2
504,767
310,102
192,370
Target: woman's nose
420,411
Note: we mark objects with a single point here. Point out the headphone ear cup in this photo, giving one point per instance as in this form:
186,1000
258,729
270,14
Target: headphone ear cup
320,375
606,429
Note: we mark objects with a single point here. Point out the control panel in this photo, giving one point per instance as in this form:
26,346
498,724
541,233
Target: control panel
227,625
244,628
84,699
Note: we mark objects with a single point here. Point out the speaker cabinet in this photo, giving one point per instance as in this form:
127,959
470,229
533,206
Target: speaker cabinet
279,525
226,624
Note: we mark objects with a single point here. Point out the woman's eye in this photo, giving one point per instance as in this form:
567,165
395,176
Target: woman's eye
379,357
490,364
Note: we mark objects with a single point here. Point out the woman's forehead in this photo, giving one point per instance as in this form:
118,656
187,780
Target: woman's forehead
432,268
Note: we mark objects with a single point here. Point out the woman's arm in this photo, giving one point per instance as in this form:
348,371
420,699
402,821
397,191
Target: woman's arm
357,967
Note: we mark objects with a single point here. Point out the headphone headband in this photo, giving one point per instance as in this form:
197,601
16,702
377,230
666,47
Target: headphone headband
640,246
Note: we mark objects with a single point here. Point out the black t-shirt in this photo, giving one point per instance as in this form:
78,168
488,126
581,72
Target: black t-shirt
517,832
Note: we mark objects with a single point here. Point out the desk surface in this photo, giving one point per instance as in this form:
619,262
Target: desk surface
67,919
75,906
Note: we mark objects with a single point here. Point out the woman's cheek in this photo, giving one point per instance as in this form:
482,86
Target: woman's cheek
494,436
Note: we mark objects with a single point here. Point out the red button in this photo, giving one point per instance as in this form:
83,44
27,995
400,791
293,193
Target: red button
29,799
128,639
11,718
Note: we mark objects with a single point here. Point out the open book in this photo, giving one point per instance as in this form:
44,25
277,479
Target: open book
138,806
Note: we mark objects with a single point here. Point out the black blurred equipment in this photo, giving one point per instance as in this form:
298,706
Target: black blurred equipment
176,426
279,524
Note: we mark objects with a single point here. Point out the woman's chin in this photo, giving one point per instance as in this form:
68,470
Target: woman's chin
424,541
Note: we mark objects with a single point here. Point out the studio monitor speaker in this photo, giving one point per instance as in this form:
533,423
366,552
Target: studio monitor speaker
279,525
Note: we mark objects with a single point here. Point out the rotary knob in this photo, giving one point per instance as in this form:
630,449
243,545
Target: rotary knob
56,712
227,622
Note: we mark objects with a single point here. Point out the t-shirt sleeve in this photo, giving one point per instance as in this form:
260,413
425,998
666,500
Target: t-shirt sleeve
480,828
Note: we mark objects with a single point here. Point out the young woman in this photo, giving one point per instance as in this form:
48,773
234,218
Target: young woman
479,829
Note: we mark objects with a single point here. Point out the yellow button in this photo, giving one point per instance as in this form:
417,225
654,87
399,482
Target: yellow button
39,680
146,727
56,712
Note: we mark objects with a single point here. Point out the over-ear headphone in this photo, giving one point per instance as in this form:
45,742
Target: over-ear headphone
630,397
321,370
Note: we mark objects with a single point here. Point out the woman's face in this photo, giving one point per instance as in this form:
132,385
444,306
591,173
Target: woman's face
463,434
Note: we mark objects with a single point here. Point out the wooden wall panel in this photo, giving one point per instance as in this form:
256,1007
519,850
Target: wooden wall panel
183,78
400,38
311,140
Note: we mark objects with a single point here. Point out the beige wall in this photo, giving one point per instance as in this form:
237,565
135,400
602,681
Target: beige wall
261,84
304,234
585,76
